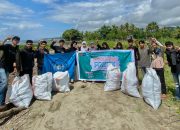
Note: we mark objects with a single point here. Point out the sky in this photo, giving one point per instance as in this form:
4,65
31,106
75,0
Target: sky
37,19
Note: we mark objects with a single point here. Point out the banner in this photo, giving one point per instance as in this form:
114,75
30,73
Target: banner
60,62
92,66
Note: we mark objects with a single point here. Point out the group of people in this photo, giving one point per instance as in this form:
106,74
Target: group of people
146,55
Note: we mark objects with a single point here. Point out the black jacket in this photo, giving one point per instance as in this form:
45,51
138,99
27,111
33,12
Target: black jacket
9,57
57,49
136,53
27,58
40,57
173,58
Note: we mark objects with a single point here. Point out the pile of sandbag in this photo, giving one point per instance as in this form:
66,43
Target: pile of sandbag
113,76
42,86
151,88
61,82
20,93
129,81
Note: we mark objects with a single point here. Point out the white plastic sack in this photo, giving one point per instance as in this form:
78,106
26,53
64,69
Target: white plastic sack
151,88
21,92
112,78
130,81
42,86
61,82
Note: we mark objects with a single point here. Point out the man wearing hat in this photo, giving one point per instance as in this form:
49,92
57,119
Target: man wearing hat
6,63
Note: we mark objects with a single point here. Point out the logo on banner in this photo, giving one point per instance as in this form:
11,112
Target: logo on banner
101,62
60,65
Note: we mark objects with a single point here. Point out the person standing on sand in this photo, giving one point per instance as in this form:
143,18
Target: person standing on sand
7,64
158,65
26,56
173,58
145,57
39,54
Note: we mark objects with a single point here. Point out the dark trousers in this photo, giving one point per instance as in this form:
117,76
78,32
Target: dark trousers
30,71
160,73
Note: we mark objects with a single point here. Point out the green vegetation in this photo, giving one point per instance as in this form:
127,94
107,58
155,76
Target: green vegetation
119,33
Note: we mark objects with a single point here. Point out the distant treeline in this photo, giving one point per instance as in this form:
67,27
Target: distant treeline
121,32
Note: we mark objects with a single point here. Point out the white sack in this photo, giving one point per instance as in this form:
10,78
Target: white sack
42,85
61,82
112,78
151,88
21,91
129,81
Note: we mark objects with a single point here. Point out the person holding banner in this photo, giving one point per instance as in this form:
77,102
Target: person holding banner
136,53
104,46
92,47
60,48
39,54
73,47
84,47
119,46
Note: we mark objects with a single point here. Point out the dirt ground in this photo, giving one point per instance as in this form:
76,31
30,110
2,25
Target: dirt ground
88,107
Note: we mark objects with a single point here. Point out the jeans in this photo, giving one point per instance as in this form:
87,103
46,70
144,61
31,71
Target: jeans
3,85
160,73
176,77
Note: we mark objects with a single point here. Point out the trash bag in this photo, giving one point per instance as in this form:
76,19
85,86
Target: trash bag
113,76
151,88
21,91
61,82
42,86
129,81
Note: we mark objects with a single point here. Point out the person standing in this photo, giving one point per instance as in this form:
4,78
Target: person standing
104,46
39,54
136,53
60,48
27,55
173,58
145,57
84,47
92,46
119,46
158,65
7,63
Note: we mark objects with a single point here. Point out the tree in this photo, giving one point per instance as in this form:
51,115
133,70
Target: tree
72,34
104,30
152,29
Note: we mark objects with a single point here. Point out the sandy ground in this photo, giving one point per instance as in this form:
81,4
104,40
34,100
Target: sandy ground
88,107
